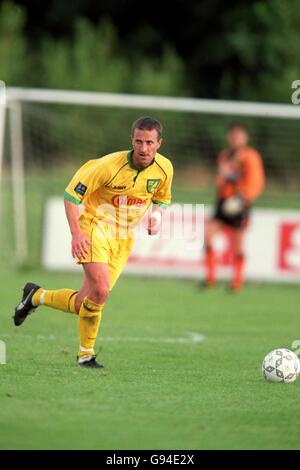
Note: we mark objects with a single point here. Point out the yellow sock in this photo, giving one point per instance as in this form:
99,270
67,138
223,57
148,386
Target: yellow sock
89,320
63,299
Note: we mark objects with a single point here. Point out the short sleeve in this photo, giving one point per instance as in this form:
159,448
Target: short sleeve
162,196
86,180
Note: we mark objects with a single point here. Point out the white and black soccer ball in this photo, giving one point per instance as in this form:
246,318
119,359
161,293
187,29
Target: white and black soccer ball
281,365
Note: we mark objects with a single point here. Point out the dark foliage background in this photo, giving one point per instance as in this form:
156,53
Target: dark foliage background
213,49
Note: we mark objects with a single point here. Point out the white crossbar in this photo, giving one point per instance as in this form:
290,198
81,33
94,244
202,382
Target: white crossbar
119,100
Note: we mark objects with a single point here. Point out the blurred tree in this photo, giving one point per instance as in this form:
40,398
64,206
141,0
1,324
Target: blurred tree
234,50
92,61
91,58
164,75
87,62
14,65
264,46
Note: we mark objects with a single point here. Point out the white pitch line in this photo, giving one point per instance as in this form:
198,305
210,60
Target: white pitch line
189,338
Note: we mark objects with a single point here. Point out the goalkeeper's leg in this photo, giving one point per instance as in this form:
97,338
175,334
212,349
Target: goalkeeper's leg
238,259
211,229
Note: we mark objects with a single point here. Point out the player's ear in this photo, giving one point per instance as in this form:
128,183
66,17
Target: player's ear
160,141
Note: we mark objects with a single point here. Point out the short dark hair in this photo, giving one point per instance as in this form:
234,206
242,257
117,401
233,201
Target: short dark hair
238,125
146,123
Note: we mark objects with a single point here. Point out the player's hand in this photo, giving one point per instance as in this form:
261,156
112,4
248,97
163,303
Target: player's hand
80,245
154,223
233,205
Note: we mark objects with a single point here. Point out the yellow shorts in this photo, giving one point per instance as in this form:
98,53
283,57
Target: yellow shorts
104,248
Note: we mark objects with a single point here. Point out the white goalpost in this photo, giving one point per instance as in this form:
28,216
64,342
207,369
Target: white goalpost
48,126
2,135
2,126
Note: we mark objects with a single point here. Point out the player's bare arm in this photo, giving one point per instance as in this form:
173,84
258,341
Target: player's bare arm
79,241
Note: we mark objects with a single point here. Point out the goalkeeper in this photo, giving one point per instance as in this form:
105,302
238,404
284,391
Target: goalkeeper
240,180
116,191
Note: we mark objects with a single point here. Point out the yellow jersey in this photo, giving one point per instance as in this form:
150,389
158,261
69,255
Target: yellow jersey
114,191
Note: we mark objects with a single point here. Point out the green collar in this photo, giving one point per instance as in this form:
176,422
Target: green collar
132,165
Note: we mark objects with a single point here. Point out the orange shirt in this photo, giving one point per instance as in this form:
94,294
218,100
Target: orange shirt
240,171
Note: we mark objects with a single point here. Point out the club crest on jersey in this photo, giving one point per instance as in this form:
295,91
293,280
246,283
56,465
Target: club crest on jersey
152,184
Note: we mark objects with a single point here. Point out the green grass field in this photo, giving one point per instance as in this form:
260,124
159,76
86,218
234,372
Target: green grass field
159,389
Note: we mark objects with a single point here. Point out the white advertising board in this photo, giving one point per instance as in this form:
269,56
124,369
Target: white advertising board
272,246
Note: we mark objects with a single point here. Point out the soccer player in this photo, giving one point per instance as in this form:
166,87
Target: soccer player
116,191
240,180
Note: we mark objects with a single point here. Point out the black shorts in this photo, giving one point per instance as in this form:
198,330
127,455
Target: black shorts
237,221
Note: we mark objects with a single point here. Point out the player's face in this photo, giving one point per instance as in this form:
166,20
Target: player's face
145,145
237,137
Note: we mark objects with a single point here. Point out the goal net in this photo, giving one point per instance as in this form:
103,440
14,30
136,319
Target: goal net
49,134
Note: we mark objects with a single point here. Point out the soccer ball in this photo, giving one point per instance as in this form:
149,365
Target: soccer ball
281,365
